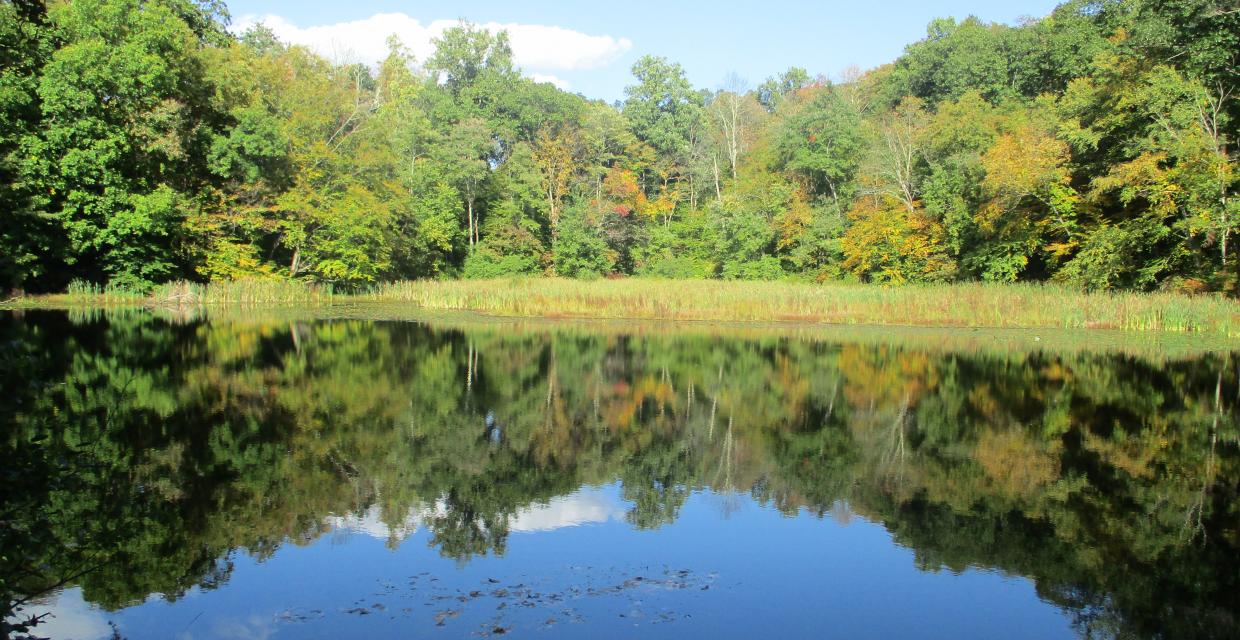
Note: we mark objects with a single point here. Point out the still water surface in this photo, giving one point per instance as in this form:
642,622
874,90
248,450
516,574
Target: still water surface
263,478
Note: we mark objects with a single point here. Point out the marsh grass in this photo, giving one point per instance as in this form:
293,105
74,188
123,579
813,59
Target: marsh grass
954,305
241,292
81,292
948,305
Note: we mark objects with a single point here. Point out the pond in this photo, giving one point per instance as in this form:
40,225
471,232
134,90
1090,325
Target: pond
263,476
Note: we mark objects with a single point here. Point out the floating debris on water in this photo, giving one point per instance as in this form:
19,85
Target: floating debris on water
637,595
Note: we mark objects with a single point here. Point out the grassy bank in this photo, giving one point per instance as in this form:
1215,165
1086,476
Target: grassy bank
955,305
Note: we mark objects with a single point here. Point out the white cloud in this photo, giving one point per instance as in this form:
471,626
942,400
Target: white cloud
543,77
370,523
587,505
72,618
534,47
541,47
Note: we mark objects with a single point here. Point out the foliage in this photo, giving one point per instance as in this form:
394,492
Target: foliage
579,251
142,143
890,244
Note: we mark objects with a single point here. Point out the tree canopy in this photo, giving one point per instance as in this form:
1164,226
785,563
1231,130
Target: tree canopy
142,142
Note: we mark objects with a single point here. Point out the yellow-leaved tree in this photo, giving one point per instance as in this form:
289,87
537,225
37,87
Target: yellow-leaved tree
890,243
1030,205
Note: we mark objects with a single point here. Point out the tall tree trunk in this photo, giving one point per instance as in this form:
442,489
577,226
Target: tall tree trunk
469,204
555,218
1223,242
1225,217
718,192
734,134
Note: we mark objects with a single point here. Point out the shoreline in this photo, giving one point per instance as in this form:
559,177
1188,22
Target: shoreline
998,341
952,306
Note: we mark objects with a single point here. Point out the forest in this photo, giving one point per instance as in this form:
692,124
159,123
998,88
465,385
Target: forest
142,142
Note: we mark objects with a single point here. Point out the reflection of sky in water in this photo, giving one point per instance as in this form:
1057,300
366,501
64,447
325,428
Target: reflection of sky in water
72,618
588,505
727,567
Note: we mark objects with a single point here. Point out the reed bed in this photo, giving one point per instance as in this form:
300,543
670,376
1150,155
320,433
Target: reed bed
947,305
241,292
81,292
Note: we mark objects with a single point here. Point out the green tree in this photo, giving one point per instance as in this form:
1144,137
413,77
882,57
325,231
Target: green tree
772,92
664,111
121,158
28,245
579,248
821,141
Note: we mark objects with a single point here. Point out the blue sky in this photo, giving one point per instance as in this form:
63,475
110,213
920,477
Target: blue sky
596,43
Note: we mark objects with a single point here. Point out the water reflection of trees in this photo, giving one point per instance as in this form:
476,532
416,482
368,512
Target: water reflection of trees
147,451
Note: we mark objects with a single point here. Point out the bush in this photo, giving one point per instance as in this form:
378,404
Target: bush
764,268
1110,258
485,264
679,268
580,251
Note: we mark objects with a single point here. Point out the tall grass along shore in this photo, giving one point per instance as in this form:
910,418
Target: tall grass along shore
942,305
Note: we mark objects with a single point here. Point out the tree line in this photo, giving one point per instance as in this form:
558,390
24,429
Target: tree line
142,142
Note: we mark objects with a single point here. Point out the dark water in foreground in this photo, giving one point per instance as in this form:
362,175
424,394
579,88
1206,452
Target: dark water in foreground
330,479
